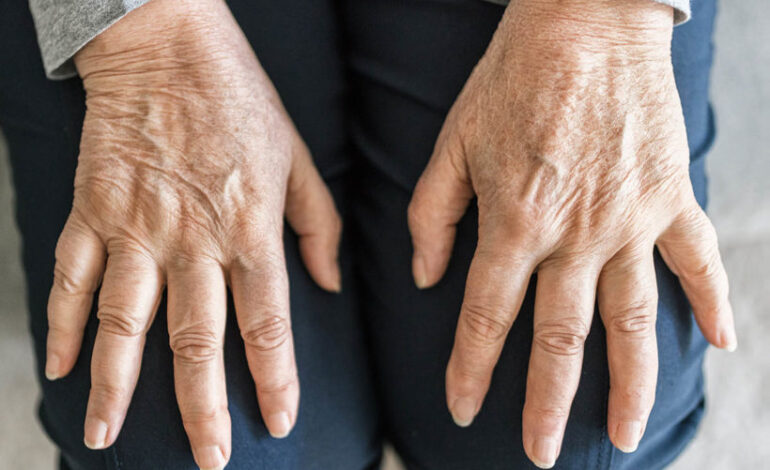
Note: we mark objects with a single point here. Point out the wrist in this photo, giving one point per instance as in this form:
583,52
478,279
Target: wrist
160,36
639,28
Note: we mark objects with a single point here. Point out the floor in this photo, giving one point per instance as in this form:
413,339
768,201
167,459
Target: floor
736,431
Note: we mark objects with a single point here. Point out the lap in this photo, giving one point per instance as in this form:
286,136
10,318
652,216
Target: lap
408,62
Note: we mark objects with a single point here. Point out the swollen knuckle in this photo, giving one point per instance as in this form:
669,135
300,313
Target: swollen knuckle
709,270
267,334
60,329
195,344
563,337
636,320
118,320
67,282
484,324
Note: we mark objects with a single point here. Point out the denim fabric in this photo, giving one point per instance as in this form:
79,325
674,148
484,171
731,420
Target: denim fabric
368,83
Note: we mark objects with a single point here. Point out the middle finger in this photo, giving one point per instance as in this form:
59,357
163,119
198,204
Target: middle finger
564,305
197,306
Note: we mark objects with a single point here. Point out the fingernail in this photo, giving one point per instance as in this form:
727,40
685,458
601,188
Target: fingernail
209,458
419,272
52,366
337,283
544,452
729,339
279,425
95,434
628,435
463,411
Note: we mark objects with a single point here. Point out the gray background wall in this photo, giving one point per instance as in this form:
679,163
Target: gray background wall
736,431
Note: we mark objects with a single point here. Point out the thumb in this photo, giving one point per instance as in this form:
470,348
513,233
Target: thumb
311,213
439,201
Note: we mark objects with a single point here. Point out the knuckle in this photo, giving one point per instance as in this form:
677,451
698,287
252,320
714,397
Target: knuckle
278,388
709,270
337,225
262,260
635,401
190,259
195,344
635,397
483,324
58,329
106,394
563,337
469,376
635,320
252,229
414,214
118,320
550,413
67,282
202,416
267,334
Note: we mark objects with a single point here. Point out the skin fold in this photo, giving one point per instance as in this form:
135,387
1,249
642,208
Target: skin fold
188,165
570,134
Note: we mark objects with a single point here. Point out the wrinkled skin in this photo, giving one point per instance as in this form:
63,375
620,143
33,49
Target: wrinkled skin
570,134
188,164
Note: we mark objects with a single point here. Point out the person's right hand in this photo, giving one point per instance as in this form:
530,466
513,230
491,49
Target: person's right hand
188,162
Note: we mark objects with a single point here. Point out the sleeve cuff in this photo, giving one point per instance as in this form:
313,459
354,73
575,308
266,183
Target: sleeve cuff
65,26
681,8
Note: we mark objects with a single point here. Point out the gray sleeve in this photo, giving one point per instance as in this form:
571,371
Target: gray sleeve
65,26
681,8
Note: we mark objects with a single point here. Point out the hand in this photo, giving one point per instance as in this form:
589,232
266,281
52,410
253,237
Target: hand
570,134
188,161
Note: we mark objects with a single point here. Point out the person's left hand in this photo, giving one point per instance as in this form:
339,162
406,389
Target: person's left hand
570,133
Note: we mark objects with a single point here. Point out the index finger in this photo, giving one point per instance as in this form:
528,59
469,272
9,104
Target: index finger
496,285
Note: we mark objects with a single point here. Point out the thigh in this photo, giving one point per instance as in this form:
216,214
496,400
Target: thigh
408,60
337,425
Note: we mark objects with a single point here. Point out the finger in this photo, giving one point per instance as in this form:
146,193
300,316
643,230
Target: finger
260,292
196,324
564,305
493,294
689,247
628,302
78,270
438,203
311,213
127,302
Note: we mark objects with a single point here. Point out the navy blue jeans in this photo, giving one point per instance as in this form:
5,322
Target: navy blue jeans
368,83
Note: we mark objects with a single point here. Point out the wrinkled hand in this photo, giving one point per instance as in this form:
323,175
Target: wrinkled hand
570,134
188,161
